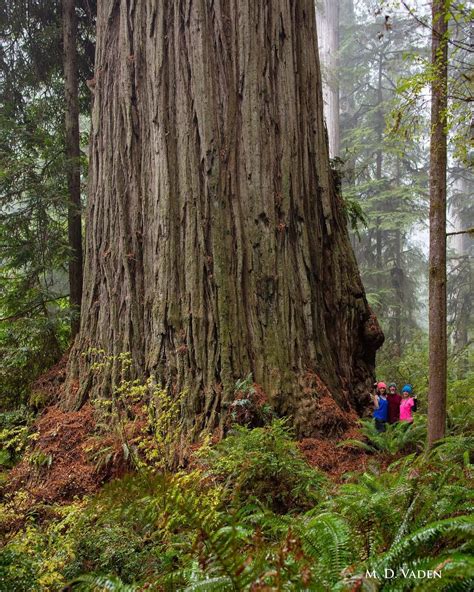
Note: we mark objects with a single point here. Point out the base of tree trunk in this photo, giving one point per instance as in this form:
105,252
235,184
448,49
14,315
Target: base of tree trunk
316,407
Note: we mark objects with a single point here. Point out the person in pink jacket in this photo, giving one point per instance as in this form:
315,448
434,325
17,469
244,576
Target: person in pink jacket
407,404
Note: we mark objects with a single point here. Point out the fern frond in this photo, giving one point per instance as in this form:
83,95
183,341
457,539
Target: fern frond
99,583
353,443
452,448
327,539
457,571
217,584
461,527
403,529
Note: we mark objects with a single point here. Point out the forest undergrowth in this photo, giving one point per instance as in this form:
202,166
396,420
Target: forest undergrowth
87,507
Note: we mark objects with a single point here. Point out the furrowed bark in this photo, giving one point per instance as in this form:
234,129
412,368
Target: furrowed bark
216,243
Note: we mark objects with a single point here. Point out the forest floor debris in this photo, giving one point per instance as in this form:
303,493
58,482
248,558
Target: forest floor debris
57,467
74,452
67,461
332,458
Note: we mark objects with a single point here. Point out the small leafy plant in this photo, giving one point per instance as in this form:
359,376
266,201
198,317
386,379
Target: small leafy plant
398,437
250,406
14,435
264,463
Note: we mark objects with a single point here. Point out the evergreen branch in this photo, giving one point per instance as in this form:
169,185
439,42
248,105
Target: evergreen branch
26,311
459,44
467,231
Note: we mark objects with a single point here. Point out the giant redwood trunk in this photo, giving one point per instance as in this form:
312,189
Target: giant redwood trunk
216,243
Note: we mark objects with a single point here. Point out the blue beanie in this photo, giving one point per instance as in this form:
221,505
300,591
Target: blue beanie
407,389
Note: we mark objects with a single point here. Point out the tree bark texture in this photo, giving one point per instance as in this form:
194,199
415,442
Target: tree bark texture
216,244
73,159
437,256
327,19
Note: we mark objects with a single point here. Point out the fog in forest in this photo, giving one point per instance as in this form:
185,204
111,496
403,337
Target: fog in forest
226,362
377,107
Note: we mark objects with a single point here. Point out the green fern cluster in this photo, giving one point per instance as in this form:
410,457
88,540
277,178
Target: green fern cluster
264,464
398,437
14,432
191,531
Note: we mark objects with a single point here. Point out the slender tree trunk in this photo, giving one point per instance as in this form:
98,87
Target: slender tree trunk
463,277
327,19
437,257
463,214
398,276
398,286
216,244
378,171
73,155
461,333
347,99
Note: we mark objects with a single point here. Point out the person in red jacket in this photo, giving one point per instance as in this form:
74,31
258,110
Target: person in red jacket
394,400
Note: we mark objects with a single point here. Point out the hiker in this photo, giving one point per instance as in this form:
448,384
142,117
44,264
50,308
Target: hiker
408,404
380,413
413,396
394,400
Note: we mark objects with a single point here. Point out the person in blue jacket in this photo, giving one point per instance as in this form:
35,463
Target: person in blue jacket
380,413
